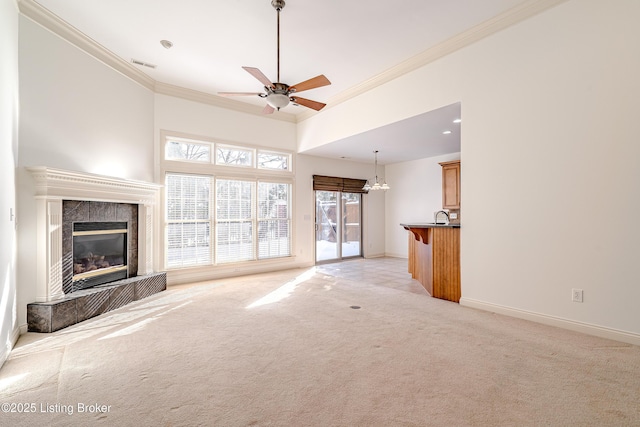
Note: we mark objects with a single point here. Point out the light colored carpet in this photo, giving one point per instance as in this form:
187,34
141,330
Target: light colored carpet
288,349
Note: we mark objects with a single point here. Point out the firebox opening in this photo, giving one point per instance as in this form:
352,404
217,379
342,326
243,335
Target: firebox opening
99,253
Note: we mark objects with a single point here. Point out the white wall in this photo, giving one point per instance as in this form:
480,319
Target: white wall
550,161
550,141
75,114
176,114
197,119
416,193
373,213
9,104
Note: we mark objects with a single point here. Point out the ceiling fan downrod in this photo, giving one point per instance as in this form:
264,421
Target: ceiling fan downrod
278,5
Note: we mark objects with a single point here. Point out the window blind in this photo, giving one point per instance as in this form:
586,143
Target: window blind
188,220
234,220
333,183
274,220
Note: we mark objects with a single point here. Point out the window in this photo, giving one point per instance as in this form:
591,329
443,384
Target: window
234,207
274,223
234,156
188,224
188,151
274,161
234,220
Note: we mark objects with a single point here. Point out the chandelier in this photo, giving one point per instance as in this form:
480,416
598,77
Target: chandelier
376,185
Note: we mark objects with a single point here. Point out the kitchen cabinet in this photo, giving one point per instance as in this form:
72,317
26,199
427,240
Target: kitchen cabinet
451,185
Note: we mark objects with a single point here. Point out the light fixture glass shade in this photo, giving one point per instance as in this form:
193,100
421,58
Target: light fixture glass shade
277,100
376,185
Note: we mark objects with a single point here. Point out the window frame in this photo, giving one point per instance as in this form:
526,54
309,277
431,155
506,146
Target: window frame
214,171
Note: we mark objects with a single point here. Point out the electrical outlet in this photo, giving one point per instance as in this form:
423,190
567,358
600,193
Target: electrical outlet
576,295
453,215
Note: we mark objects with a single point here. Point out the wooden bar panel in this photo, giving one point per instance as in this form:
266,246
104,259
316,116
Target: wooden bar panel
446,263
434,260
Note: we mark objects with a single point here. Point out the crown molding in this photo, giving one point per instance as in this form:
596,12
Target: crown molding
42,16
498,23
219,101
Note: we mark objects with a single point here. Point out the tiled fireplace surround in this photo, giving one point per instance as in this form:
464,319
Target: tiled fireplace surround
64,197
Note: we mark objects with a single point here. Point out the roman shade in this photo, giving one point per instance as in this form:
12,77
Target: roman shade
333,183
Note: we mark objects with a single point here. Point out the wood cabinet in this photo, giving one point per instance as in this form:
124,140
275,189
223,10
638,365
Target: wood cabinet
451,184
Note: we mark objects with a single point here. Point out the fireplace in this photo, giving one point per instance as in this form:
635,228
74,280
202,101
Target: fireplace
99,253
90,229
66,197
99,243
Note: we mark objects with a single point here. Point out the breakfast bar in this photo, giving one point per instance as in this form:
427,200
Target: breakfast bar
434,258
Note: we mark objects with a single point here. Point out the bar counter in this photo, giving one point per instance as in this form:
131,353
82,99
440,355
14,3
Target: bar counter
434,258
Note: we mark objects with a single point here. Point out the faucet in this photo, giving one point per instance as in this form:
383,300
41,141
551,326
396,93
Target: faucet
439,214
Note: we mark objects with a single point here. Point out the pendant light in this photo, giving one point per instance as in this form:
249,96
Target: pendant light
376,185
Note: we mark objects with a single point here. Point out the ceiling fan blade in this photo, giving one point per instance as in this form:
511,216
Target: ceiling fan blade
268,109
313,83
239,93
258,75
315,105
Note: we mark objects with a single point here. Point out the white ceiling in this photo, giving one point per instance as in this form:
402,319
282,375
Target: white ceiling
350,42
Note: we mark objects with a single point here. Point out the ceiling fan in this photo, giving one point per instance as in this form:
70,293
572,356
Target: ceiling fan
278,95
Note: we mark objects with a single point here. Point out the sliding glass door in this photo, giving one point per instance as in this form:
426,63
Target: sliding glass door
351,229
338,225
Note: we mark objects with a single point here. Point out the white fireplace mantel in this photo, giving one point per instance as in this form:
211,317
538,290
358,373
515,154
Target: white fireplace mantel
52,186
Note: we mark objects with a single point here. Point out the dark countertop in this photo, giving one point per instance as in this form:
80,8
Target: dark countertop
429,225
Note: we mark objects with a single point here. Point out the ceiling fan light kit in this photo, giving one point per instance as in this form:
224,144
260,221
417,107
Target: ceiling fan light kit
278,95
277,100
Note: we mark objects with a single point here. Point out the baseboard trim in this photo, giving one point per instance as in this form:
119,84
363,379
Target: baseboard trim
396,255
18,330
13,339
196,275
586,328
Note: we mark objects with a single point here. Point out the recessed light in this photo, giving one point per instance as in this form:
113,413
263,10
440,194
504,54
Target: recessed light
446,132
457,120
166,44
